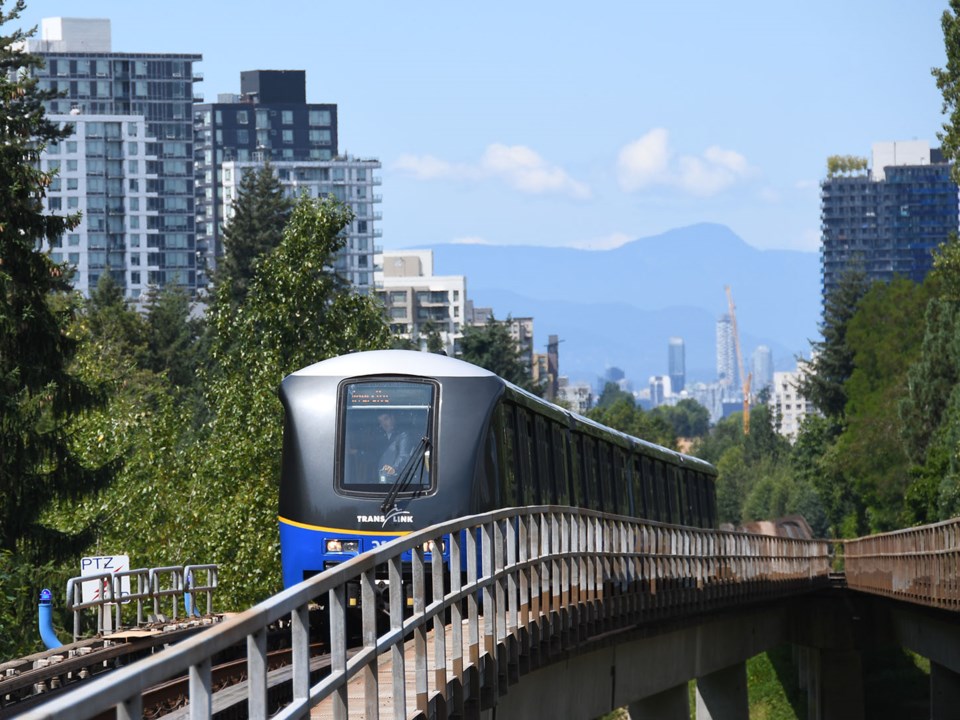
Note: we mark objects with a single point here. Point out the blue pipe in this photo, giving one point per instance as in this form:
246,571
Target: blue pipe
45,621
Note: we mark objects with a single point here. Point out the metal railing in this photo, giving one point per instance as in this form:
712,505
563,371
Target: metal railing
919,565
538,577
182,581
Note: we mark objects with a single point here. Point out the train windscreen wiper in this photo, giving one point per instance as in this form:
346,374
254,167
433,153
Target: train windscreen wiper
414,466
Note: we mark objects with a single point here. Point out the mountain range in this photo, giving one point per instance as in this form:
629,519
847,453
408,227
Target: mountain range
619,307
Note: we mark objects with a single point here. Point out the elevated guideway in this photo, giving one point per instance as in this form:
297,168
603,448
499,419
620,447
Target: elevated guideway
542,586
570,613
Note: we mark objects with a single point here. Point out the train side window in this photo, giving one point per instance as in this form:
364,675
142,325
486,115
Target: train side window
546,475
673,494
575,470
711,500
510,488
663,494
679,482
604,472
703,481
492,459
693,496
621,481
525,467
588,474
639,500
558,468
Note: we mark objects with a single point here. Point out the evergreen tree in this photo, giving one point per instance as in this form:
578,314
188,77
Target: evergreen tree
39,395
172,336
260,213
832,362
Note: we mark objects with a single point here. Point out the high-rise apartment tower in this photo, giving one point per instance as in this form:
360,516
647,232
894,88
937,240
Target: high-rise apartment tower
128,167
886,219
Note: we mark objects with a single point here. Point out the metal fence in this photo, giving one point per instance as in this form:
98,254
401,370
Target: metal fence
164,587
536,580
920,565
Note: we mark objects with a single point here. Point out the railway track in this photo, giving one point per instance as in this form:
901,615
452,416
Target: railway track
30,681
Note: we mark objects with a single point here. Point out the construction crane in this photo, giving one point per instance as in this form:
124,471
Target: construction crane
745,379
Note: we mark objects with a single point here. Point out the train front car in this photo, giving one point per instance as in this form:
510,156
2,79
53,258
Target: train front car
377,445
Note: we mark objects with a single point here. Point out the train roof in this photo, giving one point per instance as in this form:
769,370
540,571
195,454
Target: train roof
424,364
398,362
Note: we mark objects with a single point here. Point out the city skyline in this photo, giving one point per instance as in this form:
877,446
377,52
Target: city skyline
557,128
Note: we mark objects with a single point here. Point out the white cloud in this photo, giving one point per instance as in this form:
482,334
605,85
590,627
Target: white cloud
525,170
645,161
649,161
428,167
516,165
608,242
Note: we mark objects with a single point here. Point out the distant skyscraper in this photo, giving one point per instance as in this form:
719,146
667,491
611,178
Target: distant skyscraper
128,167
762,369
888,219
726,356
676,363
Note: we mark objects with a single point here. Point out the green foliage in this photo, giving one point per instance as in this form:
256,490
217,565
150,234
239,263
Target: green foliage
885,337
931,378
845,165
260,213
832,363
297,312
948,82
173,337
688,418
617,409
20,584
491,347
39,395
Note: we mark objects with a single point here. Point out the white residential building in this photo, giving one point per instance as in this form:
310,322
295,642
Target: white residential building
576,396
104,172
413,296
787,404
350,180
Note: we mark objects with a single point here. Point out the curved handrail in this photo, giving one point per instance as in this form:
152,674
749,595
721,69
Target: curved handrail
919,565
548,570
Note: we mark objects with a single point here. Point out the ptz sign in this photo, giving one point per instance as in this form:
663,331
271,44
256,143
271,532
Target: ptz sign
99,565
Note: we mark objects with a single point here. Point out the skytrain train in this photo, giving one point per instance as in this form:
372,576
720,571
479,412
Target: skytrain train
379,444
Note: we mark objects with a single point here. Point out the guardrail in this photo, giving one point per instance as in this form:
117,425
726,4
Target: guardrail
183,582
539,577
919,565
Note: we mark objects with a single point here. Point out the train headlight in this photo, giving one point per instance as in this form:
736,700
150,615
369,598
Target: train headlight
335,545
429,545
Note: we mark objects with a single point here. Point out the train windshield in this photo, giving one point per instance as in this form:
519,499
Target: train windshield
386,431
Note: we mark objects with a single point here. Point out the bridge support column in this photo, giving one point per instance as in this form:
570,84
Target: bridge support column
672,704
722,695
835,686
944,693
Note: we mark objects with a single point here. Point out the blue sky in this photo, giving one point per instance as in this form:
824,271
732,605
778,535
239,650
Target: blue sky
577,124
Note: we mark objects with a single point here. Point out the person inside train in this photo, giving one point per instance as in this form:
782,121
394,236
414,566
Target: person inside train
397,449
